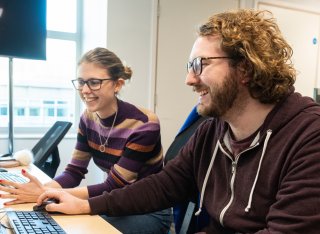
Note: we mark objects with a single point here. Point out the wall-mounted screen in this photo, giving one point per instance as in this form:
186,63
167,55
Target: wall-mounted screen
23,29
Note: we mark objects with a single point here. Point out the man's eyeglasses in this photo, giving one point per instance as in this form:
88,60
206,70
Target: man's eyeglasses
196,64
93,84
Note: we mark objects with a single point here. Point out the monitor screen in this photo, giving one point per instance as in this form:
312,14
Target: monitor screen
23,29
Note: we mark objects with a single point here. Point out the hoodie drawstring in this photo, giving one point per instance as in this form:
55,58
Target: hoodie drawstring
269,132
207,177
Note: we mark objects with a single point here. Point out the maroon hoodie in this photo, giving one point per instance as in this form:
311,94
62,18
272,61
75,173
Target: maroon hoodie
271,187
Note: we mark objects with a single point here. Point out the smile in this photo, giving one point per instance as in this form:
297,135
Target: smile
90,99
203,92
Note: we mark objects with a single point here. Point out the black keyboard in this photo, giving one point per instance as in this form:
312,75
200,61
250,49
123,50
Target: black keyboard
33,222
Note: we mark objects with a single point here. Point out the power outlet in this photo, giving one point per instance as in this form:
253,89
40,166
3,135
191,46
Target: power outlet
316,95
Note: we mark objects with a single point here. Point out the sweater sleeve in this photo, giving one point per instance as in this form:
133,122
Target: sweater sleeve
175,183
77,168
142,150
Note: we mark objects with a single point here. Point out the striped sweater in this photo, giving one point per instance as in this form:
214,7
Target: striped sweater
134,144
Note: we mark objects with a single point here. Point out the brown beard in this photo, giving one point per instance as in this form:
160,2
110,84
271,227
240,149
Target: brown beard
222,97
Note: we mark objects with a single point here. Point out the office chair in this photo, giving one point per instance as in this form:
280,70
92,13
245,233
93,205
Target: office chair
46,152
184,219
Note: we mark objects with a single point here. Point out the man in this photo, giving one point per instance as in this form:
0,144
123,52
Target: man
256,164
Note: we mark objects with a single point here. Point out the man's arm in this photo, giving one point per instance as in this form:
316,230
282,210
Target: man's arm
144,196
155,192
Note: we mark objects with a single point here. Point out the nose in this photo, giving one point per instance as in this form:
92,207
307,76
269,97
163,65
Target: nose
85,89
192,79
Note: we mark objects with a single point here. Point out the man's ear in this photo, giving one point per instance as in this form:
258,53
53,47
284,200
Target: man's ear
244,69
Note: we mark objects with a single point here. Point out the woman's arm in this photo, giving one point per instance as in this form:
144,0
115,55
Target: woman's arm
28,192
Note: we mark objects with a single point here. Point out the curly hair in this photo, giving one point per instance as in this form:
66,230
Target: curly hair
252,38
109,61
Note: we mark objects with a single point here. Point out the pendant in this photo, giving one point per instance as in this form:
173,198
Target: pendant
102,148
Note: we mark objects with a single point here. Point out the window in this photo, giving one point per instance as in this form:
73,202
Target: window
20,111
3,110
42,90
62,109
34,111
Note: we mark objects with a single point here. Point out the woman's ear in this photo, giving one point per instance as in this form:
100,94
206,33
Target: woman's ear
119,83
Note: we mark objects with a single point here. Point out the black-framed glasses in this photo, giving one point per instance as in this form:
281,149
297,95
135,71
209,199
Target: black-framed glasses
93,84
196,64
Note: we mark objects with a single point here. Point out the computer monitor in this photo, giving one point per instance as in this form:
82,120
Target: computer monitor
46,153
23,29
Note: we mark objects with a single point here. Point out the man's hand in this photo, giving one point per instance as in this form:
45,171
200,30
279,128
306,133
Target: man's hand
68,203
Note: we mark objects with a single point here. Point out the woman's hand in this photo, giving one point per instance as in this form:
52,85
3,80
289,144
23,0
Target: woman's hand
67,204
22,193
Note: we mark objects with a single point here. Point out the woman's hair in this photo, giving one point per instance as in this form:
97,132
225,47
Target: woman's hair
253,39
108,60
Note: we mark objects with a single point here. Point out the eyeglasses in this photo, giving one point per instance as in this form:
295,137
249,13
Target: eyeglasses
93,84
196,64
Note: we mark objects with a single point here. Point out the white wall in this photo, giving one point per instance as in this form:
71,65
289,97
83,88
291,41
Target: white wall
131,31
176,33
155,38
303,38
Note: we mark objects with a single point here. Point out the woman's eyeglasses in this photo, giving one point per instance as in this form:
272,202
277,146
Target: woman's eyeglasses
93,84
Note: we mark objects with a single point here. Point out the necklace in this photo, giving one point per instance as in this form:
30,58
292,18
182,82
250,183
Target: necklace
102,147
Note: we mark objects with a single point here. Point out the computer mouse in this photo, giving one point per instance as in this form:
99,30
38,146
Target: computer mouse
42,207
3,170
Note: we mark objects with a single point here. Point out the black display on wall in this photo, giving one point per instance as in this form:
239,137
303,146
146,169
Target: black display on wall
23,29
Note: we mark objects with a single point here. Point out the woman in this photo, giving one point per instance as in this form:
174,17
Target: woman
122,139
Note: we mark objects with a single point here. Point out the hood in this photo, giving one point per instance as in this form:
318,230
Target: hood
287,109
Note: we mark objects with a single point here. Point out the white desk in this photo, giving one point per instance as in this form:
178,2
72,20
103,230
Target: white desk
77,224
